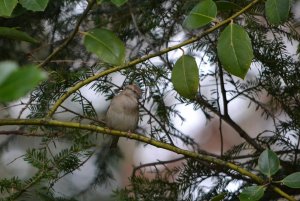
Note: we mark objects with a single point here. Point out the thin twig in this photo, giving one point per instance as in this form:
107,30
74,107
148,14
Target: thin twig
147,40
159,162
223,92
159,123
225,102
31,99
220,118
70,37
15,159
101,122
232,123
21,133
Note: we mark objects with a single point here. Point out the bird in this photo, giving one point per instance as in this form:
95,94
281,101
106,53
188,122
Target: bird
123,111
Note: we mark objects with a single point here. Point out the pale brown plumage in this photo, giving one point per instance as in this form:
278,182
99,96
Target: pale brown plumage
123,112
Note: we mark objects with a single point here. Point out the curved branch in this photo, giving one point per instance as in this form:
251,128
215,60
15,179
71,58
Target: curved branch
147,140
139,60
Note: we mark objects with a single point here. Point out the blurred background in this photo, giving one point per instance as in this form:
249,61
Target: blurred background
142,35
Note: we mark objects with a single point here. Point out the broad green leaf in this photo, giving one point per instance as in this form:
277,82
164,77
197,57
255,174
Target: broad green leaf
20,82
202,14
268,163
219,197
292,180
7,7
34,5
6,68
106,45
235,50
119,2
185,76
15,34
277,11
252,193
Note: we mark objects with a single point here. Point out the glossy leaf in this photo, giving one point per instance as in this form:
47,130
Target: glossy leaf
277,11
15,34
185,76
292,180
235,50
268,163
252,193
219,197
34,5
6,68
20,82
7,7
106,45
202,14
119,2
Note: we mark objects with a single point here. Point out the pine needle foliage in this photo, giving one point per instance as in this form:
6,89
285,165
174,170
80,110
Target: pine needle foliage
148,27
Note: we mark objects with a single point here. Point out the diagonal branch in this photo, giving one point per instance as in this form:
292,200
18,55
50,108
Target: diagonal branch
70,37
139,60
232,123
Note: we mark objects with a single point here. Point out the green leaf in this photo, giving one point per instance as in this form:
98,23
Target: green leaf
185,76
235,50
252,193
277,11
7,7
202,14
268,163
34,5
219,197
6,68
15,34
119,3
20,82
106,45
292,180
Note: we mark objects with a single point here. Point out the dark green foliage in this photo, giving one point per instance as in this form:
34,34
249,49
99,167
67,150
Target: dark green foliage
156,23
37,158
149,190
7,184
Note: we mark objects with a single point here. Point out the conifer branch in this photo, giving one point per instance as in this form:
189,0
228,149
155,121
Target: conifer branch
147,140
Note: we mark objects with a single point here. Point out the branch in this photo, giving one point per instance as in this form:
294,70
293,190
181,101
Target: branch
146,140
100,122
159,162
140,60
159,123
223,92
232,123
38,177
19,132
220,118
70,37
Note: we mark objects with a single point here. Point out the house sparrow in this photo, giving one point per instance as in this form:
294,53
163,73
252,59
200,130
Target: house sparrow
123,112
